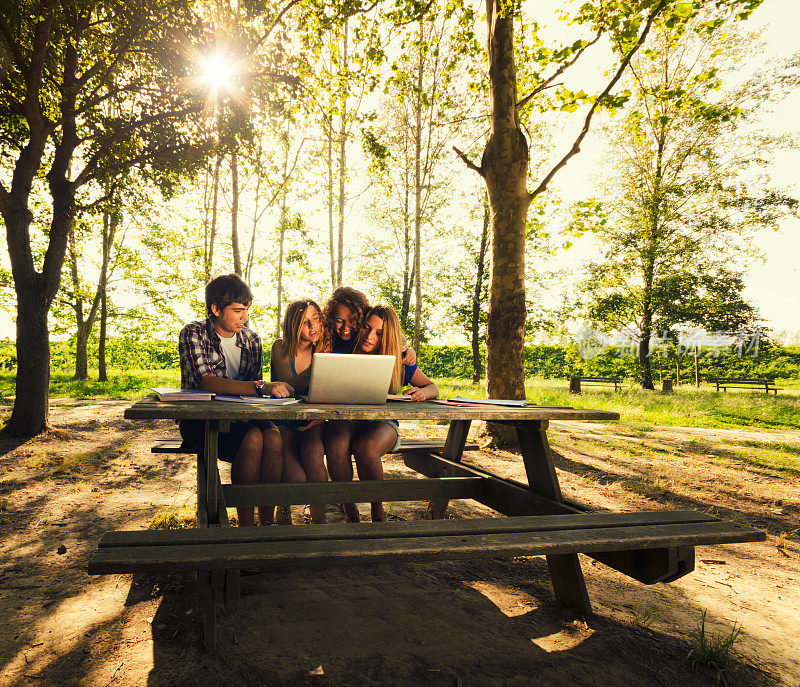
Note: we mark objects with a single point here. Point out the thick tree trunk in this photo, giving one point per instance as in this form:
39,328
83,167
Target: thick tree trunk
476,298
30,414
644,348
82,353
505,168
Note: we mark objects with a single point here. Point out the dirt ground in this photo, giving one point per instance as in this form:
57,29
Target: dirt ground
485,622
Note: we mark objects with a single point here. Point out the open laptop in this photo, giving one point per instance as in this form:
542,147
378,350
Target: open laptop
350,378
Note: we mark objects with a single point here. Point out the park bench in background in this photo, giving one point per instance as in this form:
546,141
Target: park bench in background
735,383
575,382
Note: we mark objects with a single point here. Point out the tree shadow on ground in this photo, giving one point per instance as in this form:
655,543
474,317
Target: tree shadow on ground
752,511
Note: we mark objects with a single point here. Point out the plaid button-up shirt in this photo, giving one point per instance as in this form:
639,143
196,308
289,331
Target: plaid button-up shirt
201,354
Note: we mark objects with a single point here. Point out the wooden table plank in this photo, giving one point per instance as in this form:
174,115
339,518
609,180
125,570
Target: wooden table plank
151,408
401,528
362,491
315,553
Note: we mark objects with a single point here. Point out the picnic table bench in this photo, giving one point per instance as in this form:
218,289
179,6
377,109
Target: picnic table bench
649,547
737,383
575,382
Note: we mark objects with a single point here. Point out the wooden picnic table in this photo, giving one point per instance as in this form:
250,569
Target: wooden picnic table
649,546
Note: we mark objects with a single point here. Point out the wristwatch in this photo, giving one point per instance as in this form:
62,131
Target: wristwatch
259,384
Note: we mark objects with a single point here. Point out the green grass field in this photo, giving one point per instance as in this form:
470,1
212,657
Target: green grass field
687,406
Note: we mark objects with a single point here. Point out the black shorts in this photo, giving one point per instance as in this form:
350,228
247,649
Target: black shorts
193,433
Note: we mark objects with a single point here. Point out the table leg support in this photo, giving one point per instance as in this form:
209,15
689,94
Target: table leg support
453,449
211,481
207,592
566,575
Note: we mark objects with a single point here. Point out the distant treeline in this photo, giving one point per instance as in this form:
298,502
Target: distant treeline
558,361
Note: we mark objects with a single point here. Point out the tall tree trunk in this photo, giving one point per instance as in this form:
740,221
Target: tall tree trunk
418,197
82,331
86,324
476,297
102,372
237,260
649,260
282,238
206,213
408,267
212,234
111,220
342,154
331,246
505,169
248,268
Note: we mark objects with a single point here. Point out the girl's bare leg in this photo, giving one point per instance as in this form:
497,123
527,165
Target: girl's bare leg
312,456
271,467
292,471
369,447
246,469
338,447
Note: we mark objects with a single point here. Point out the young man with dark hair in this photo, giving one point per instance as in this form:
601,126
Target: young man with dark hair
222,355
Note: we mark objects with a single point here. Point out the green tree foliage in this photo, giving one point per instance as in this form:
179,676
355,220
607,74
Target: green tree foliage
684,198
88,90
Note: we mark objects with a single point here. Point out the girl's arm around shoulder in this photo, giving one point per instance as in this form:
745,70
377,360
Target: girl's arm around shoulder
422,388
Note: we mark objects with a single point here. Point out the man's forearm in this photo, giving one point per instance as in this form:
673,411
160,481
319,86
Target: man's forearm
231,387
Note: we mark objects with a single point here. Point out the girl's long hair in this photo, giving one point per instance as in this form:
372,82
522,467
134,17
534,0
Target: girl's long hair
390,343
349,297
292,321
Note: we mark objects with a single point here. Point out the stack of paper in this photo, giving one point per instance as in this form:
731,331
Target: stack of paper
266,400
490,401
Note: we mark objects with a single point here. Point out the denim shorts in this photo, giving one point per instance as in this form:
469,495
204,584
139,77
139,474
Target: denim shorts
193,433
393,423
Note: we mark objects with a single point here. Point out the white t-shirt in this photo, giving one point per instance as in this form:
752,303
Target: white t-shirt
233,356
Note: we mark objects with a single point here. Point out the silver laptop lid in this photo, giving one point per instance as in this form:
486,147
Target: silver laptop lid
350,378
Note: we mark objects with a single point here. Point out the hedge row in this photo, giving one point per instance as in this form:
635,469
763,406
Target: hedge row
456,361
553,361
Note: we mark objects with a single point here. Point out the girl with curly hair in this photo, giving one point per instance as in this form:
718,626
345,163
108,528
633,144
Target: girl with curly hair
341,320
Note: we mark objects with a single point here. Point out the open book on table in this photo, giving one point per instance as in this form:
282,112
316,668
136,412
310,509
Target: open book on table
166,394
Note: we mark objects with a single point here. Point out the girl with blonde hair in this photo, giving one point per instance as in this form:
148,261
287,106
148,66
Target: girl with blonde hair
369,440
303,449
